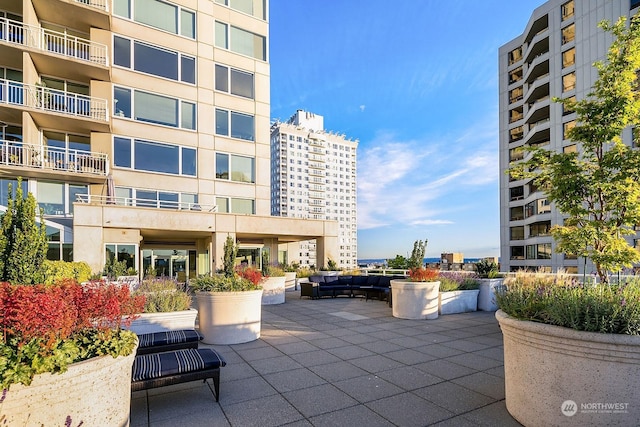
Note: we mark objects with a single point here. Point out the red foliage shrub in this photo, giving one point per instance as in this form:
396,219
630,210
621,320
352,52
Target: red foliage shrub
251,274
423,274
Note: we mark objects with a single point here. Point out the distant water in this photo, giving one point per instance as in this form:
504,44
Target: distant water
426,260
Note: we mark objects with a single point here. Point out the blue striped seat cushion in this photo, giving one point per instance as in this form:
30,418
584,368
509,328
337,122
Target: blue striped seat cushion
168,337
150,366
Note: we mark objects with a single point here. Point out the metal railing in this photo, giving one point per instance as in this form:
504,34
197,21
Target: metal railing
145,203
57,101
62,44
14,153
98,4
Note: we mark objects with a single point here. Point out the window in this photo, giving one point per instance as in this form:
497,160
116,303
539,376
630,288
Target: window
516,213
155,198
566,127
121,252
240,41
153,60
517,233
635,137
569,57
515,55
567,10
515,114
569,82
56,198
573,148
154,156
516,193
515,75
158,14
516,154
517,252
238,206
515,94
235,168
539,229
568,33
516,133
234,81
255,8
565,109
155,109
235,125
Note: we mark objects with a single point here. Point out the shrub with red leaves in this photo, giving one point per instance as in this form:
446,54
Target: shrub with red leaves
423,274
252,274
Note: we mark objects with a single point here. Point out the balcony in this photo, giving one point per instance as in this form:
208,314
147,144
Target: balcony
53,42
102,5
93,199
53,101
40,160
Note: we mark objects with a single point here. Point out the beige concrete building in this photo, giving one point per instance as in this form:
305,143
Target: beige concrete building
142,129
313,175
553,57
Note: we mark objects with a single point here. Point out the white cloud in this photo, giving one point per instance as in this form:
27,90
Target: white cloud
423,182
362,107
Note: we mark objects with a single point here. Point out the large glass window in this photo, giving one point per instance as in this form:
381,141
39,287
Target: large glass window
240,41
569,82
158,14
4,190
243,206
241,82
154,156
235,168
241,125
155,199
567,10
255,8
153,108
122,252
569,57
57,198
153,60
517,233
568,33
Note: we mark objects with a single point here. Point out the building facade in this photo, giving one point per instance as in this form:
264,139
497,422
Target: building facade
553,57
142,129
313,175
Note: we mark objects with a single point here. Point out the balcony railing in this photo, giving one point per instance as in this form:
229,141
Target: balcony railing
92,199
43,39
57,101
13,153
98,4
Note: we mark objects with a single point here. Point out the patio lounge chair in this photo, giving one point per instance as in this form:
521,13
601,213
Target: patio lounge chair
157,342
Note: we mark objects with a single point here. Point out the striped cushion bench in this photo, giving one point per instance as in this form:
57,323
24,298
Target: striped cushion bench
175,367
157,342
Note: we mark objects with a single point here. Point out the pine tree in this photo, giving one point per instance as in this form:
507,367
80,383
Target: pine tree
23,242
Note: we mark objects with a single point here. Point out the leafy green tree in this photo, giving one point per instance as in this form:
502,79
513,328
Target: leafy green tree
230,251
23,242
598,188
398,263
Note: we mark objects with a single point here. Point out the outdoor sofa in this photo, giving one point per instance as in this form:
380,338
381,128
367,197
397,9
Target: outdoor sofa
373,286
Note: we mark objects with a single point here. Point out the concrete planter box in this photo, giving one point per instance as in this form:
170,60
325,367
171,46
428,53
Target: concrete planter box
290,279
229,317
486,297
94,392
458,301
326,273
558,376
273,290
168,321
414,300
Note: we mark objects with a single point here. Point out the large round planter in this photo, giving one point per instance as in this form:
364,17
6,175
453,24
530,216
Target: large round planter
290,279
558,376
452,302
229,317
94,392
414,300
273,290
168,321
326,273
487,295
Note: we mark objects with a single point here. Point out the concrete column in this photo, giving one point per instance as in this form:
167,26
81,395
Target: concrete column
272,246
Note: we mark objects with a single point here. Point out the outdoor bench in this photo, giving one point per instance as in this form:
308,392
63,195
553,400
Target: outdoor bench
176,367
157,342
374,286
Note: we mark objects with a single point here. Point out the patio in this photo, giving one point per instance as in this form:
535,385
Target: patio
345,362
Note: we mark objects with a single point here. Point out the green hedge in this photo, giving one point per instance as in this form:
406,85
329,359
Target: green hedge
57,270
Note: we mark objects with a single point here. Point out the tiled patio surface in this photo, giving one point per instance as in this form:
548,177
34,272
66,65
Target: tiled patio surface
346,362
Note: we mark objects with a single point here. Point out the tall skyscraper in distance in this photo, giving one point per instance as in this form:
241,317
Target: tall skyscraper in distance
142,129
313,175
553,57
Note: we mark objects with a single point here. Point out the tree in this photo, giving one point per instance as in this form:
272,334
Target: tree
417,254
23,242
598,188
229,259
397,263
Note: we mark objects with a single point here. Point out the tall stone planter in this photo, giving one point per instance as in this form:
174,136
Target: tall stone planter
414,300
167,321
290,279
94,392
452,302
558,376
229,317
273,290
487,295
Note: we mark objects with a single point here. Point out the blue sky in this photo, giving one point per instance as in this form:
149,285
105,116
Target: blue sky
416,82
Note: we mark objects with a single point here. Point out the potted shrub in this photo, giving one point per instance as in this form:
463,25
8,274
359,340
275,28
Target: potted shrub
63,357
489,280
568,343
290,274
458,292
331,269
273,285
167,307
229,305
417,297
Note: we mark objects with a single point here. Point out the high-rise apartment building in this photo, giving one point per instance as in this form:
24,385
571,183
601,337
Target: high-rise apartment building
142,129
553,57
313,175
